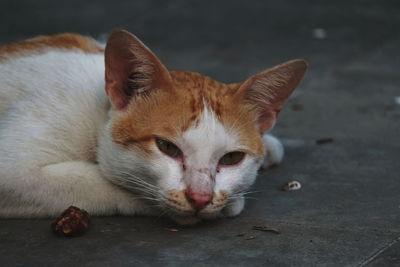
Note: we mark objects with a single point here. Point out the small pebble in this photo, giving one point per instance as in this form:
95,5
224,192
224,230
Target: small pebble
290,186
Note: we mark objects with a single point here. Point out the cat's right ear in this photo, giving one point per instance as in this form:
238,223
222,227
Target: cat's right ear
131,68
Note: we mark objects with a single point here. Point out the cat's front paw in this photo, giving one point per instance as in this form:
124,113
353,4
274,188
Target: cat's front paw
234,207
274,151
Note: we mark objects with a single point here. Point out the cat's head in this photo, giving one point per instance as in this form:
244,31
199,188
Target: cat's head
184,142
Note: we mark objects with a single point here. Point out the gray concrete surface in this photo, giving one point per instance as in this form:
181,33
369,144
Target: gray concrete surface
347,212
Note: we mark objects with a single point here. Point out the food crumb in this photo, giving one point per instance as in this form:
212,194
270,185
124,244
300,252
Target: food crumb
290,186
72,222
172,230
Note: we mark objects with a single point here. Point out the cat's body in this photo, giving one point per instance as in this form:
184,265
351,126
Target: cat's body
158,148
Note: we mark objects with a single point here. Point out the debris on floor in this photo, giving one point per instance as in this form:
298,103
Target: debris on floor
290,186
397,100
266,229
323,141
72,222
172,230
296,106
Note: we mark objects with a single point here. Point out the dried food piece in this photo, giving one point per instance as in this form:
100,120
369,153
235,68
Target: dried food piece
266,229
172,229
323,141
290,186
73,221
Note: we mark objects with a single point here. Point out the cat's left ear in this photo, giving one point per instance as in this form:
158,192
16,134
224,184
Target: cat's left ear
131,69
270,89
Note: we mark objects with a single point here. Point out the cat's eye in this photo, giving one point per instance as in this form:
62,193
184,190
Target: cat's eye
232,158
168,148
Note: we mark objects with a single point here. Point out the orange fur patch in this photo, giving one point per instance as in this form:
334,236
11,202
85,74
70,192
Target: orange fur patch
168,113
41,44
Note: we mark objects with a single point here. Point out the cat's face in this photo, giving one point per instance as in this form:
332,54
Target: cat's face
198,142
187,144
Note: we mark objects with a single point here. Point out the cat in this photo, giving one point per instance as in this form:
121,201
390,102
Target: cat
144,140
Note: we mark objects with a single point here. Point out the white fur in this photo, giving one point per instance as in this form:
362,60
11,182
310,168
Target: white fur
56,148
274,151
52,106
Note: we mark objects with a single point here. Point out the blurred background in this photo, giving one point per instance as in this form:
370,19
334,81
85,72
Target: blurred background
228,39
351,45
347,212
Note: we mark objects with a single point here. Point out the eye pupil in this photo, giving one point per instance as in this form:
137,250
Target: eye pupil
168,148
232,158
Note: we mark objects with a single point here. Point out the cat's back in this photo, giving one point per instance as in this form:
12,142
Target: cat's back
52,88
52,67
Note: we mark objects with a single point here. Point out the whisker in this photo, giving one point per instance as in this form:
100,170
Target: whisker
134,182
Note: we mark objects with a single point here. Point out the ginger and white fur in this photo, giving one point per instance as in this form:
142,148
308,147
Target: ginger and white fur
58,132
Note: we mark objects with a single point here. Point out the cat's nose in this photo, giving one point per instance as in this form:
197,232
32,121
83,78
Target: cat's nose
197,200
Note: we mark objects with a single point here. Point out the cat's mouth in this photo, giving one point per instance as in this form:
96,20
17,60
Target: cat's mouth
183,212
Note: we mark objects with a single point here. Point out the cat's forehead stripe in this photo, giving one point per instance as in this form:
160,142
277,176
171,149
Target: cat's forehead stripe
202,89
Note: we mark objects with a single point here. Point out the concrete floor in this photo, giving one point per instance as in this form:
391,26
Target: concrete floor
348,210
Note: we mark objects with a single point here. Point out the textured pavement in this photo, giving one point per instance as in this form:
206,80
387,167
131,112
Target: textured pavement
348,211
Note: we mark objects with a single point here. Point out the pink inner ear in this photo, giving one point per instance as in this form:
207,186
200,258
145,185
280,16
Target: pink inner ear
124,55
266,120
270,89
117,96
117,74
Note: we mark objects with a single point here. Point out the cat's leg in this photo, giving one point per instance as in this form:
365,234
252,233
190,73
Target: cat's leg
234,207
50,189
274,151
81,184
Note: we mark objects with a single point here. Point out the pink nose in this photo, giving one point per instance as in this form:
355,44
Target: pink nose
198,201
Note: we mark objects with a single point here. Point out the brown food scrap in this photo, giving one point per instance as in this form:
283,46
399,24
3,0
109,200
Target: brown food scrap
72,222
323,141
290,186
266,229
172,230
